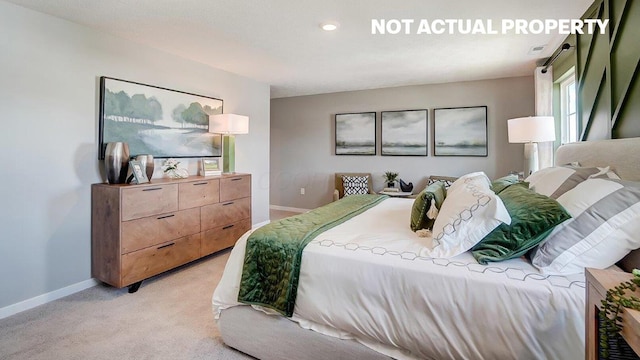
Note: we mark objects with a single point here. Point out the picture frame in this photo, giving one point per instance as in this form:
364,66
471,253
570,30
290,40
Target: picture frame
210,167
404,132
158,121
460,131
355,133
138,172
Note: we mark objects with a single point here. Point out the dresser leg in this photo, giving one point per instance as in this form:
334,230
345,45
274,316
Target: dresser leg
134,287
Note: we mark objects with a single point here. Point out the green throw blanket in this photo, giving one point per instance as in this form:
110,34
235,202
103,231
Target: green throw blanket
272,257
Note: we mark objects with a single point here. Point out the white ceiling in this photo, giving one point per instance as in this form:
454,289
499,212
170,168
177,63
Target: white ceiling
279,42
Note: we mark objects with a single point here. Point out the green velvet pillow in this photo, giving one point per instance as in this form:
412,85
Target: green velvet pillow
502,183
533,217
422,204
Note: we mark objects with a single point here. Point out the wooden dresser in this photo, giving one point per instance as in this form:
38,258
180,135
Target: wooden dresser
138,231
598,282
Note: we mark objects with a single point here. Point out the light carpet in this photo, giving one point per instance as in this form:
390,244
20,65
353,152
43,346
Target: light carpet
170,317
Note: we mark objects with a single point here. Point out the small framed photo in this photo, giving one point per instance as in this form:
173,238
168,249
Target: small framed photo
138,172
210,167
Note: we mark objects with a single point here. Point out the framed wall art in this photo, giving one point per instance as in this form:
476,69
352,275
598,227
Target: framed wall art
157,121
404,132
356,133
460,131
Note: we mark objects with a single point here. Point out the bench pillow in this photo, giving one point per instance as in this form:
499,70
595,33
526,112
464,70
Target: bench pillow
355,185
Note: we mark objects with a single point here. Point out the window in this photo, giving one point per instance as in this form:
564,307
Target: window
568,108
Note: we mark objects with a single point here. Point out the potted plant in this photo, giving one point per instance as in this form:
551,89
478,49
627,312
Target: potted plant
616,298
390,177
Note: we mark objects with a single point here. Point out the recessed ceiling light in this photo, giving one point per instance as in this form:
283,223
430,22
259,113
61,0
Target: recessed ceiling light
329,26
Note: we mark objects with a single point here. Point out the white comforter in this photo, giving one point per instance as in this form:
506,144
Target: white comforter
372,279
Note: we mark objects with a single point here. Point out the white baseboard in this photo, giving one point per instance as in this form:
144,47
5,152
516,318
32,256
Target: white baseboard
45,298
253,227
286,208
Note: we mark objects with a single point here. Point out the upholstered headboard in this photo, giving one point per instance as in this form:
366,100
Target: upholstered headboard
623,155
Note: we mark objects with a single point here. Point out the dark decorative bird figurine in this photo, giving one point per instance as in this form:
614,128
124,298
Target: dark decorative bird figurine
406,187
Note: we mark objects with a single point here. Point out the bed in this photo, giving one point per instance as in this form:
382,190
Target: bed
369,289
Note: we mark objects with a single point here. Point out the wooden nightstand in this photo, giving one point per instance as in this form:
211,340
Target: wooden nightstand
598,282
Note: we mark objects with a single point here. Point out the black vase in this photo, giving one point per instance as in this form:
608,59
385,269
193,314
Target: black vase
406,187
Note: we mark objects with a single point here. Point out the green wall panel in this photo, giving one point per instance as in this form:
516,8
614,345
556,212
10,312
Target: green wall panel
607,72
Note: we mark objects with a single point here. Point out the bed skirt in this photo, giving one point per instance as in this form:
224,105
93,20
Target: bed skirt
275,338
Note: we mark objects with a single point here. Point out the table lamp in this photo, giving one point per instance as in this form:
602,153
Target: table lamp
530,131
228,125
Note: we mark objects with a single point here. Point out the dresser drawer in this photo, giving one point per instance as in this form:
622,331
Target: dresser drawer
198,193
142,264
142,201
225,213
223,237
141,233
235,187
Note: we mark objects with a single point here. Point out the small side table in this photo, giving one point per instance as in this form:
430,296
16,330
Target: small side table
397,194
598,282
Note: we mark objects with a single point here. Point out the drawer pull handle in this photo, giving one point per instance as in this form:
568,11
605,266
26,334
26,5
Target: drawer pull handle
229,203
152,189
166,216
164,246
236,179
200,183
228,227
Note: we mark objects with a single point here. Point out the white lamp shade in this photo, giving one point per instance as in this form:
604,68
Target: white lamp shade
229,124
531,129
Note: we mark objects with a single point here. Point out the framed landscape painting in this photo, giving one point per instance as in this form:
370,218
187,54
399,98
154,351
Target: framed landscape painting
356,134
460,131
404,132
157,121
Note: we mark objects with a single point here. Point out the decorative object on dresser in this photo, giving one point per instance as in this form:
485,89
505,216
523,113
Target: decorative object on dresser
138,175
172,170
356,133
147,163
460,131
530,131
404,132
139,231
210,167
157,121
229,125
116,162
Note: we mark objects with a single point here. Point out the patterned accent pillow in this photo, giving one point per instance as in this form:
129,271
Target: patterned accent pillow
470,212
354,185
446,180
557,180
604,228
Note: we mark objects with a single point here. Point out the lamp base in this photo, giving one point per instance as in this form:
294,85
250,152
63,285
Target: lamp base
228,154
530,158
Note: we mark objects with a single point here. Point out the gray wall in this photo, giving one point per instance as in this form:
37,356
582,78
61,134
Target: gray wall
49,76
302,136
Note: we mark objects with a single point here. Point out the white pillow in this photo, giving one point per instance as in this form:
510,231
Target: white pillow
469,213
603,229
479,178
557,180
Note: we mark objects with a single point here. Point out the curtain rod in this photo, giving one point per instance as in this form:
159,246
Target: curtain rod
549,62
